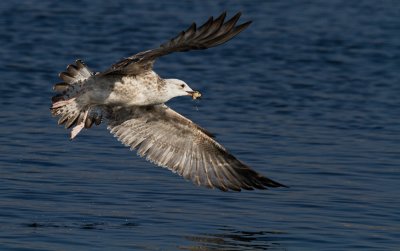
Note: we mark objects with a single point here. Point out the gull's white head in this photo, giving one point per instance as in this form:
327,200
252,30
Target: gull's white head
176,88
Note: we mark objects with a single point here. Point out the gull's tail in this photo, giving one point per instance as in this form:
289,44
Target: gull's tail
65,103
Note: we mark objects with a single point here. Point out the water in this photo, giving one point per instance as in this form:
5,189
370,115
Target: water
308,96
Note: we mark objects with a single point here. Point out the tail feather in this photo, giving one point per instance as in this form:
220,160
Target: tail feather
60,87
68,112
74,79
65,102
76,73
67,77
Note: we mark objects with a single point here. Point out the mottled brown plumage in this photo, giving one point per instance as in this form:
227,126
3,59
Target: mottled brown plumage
131,96
170,140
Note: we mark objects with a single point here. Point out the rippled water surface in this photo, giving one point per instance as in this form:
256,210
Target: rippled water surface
308,96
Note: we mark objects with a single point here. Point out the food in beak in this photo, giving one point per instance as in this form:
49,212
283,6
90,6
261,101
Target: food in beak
195,95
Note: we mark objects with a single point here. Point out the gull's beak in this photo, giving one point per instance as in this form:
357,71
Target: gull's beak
194,94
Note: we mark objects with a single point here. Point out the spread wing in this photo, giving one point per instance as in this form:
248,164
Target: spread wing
210,34
170,140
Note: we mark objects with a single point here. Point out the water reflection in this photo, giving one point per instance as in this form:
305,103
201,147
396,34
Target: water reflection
93,225
231,239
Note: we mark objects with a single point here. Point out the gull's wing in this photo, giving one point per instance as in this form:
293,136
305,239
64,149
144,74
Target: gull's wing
170,140
210,34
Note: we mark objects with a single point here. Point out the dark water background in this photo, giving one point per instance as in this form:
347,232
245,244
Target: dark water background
308,95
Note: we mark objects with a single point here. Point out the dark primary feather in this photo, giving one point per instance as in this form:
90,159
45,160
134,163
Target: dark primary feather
170,140
211,33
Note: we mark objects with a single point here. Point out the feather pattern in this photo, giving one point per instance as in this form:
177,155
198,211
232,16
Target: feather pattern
170,140
211,33
131,96
64,102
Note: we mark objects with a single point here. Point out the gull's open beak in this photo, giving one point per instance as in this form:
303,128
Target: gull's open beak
194,94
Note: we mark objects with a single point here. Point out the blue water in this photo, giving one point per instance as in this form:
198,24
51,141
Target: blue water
308,96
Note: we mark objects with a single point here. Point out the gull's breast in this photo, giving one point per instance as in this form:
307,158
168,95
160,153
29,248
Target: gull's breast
127,91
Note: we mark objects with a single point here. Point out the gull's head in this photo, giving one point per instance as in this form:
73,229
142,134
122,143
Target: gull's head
177,87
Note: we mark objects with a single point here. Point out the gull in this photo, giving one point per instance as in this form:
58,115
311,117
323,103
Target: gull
131,98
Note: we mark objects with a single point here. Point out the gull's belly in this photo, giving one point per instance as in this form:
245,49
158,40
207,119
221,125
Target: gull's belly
124,91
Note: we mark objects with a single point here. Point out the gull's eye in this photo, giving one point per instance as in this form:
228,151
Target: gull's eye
182,85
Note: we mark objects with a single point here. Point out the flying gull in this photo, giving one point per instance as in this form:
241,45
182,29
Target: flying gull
130,96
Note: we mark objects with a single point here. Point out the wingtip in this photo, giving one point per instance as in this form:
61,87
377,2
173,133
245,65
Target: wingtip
222,14
221,18
277,184
267,182
246,24
192,28
238,14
